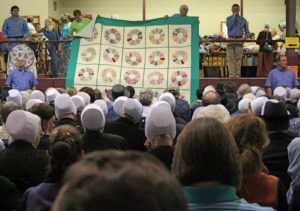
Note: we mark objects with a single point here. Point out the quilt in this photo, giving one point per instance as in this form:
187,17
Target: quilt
155,54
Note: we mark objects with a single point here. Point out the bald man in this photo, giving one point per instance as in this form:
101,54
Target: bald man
21,78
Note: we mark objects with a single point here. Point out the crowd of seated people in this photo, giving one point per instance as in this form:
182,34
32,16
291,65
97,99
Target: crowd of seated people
234,148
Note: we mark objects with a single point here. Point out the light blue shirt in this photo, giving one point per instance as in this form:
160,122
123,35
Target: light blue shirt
64,35
15,28
281,77
217,198
177,15
236,26
21,80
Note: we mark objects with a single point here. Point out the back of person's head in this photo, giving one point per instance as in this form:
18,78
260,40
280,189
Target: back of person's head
65,148
72,91
174,91
6,109
229,87
45,112
211,98
98,94
25,97
250,134
146,97
206,154
90,92
199,93
10,199
115,180
131,90
61,90
242,90
209,88
220,87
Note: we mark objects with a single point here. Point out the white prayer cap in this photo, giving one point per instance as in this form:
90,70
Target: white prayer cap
133,108
169,98
196,112
280,93
51,94
295,94
261,93
257,104
102,105
32,102
254,89
243,105
118,105
64,105
163,104
78,101
160,121
23,125
92,117
86,97
37,94
218,112
15,96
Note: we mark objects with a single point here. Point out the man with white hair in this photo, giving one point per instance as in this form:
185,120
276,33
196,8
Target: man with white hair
183,9
21,78
51,34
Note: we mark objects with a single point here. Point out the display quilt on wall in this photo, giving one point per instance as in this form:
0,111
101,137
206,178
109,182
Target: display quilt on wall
155,54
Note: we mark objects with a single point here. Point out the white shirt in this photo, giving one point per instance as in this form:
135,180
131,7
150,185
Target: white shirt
31,28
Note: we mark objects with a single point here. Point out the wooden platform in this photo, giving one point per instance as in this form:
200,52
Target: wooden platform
44,83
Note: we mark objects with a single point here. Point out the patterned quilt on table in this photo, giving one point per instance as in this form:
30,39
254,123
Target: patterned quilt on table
153,54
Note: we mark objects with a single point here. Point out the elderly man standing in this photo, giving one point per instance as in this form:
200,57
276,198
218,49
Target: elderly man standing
52,35
236,26
21,78
281,76
183,11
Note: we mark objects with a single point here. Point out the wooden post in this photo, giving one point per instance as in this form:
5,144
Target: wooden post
242,7
144,10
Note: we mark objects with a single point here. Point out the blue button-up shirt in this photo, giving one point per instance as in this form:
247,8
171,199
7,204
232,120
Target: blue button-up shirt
15,28
21,80
51,35
281,77
236,26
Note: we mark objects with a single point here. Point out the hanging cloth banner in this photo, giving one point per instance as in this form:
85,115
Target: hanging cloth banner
155,54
